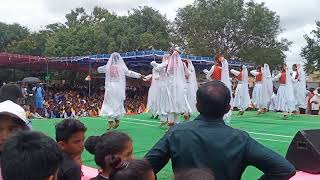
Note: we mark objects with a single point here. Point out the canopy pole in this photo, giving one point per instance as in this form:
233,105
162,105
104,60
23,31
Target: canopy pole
47,79
89,78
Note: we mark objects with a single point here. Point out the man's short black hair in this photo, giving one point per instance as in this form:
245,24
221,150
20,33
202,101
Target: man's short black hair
213,99
30,155
10,92
66,128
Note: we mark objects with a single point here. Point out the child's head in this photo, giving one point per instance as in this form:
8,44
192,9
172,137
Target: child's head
70,135
30,155
11,92
132,170
112,143
192,174
13,118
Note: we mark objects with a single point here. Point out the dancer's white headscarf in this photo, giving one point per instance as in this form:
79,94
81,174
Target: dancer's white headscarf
116,72
245,88
267,86
177,71
193,85
301,87
289,95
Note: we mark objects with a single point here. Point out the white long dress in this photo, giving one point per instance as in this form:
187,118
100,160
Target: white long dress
242,97
272,104
115,86
225,78
299,87
176,72
257,90
285,101
151,93
162,103
267,87
191,87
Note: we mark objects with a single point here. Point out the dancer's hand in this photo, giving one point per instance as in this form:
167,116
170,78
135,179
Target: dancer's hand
153,64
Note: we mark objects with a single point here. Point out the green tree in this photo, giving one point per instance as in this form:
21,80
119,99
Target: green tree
151,28
311,52
104,32
241,30
10,33
33,44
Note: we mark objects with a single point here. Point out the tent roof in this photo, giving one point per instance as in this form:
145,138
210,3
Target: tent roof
135,59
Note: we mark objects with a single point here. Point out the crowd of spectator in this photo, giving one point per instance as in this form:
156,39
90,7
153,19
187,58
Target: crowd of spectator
73,102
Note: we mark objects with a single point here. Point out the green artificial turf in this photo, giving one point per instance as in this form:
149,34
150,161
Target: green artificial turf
268,129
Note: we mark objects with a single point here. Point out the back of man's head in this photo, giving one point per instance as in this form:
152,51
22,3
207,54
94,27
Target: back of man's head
10,92
213,99
30,156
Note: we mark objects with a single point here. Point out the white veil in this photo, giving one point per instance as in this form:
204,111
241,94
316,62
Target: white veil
245,88
116,72
176,71
225,77
193,77
193,85
289,95
302,86
267,85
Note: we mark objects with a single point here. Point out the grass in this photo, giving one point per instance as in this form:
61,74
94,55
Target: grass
268,129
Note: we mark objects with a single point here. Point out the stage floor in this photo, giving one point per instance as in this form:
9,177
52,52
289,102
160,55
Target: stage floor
269,129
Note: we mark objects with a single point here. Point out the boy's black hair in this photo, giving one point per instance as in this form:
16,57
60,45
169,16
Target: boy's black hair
66,128
110,143
30,156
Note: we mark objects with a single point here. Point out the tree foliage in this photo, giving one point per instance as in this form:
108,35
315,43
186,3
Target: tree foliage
311,52
10,33
237,29
102,32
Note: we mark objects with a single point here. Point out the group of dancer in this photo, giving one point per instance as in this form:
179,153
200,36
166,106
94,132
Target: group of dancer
174,86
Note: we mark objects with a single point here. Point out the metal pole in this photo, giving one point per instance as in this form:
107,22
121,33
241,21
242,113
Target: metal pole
89,77
47,81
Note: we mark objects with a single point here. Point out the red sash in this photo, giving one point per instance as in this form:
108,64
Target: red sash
282,79
216,75
259,77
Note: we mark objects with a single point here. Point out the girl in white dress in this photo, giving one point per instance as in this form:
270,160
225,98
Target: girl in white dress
175,83
242,97
285,101
115,88
263,88
220,72
160,102
191,88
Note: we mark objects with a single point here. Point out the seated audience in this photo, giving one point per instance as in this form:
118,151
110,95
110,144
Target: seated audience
70,135
108,147
34,114
30,156
68,114
207,142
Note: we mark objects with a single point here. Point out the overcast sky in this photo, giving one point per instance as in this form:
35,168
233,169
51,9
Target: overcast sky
297,16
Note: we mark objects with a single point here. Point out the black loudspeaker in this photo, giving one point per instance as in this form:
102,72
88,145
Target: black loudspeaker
304,151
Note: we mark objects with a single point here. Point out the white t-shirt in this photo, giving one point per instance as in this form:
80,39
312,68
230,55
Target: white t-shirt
315,98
